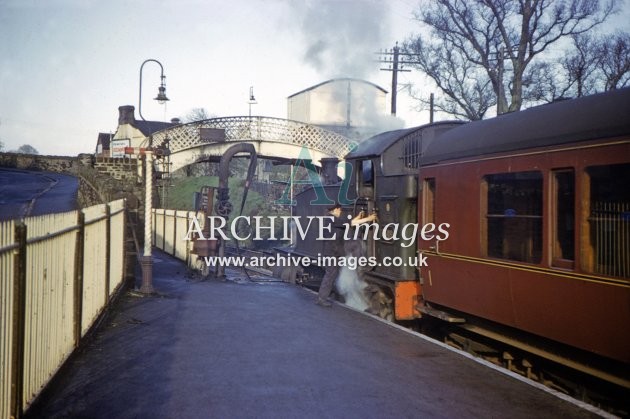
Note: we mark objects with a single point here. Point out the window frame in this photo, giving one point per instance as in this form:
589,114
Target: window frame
535,232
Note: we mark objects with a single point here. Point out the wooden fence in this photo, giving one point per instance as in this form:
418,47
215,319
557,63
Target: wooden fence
58,272
169,230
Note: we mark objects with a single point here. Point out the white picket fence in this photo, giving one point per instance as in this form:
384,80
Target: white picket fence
57,274
170,228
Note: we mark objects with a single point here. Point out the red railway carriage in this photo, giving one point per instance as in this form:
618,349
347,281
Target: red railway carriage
538,204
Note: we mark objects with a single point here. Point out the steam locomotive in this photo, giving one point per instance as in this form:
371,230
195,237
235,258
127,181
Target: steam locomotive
537,205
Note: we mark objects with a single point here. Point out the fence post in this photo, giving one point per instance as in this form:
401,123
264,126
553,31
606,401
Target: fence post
108,251
188,243
78,278
175,233
127,234
163,229
19,323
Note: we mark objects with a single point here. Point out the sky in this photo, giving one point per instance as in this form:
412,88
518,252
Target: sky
67,65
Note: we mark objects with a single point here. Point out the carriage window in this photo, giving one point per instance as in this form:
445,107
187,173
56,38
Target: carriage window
608,214
563,250
514,216
412,151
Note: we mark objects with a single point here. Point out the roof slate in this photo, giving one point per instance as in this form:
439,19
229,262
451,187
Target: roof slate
149,127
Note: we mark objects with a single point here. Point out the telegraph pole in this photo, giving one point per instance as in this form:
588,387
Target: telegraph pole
395,65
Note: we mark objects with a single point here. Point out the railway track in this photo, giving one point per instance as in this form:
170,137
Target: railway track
598,382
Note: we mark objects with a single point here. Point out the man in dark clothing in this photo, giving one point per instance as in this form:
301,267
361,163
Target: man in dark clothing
332,270
339,248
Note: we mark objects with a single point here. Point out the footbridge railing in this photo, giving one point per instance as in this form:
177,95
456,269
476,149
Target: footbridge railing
253,129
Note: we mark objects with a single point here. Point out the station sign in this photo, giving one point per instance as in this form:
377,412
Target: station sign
117,147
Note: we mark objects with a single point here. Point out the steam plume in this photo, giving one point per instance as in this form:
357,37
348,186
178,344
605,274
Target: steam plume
342,36
352,288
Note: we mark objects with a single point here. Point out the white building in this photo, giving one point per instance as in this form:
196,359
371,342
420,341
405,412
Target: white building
351,107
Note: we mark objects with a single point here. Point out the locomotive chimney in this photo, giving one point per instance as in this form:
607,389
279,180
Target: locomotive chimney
126,115
328,173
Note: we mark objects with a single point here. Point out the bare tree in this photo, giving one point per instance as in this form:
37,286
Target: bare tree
468,93
27,149
1,145
614,62
498,40
580,66
594,64
197,114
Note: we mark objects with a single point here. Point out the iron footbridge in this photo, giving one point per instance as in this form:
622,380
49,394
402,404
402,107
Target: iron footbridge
273,138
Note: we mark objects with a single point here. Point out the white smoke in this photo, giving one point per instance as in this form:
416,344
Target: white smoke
352,289
342,37
341,40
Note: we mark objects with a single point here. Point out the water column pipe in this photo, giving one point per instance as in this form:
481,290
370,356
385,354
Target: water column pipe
223,206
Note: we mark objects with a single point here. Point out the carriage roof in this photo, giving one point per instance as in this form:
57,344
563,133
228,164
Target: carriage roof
377,144
600,116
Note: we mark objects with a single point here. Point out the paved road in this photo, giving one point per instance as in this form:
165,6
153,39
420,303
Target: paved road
24,193
240,349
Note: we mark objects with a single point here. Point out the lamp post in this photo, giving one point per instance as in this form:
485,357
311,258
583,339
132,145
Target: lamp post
252,100
161,97
146,260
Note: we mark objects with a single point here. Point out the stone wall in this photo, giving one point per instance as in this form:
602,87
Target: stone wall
59,164
119,168
101,179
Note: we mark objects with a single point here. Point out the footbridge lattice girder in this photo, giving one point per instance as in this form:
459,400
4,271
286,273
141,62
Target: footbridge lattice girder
272,137
264,149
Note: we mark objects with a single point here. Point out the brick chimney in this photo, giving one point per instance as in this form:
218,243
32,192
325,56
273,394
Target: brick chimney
126,115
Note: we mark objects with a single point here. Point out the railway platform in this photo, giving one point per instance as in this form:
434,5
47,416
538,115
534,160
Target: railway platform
263,349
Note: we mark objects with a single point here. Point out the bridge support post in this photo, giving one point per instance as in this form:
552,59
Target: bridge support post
146,261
